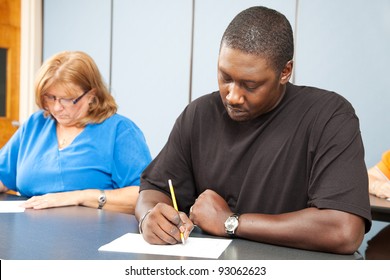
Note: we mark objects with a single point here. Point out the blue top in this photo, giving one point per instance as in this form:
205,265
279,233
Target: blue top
108,155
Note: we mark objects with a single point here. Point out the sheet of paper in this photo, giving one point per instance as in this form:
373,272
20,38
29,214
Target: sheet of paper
11,206
195,246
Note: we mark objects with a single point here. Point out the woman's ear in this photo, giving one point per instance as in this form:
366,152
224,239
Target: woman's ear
92,96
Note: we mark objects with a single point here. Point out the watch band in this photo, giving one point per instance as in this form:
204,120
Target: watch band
102,199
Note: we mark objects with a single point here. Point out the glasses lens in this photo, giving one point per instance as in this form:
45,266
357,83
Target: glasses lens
65,102
51,100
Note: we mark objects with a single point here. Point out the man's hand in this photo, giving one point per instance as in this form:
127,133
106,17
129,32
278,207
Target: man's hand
163,225
210,212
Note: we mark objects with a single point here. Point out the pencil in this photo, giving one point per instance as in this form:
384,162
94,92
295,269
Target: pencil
175,205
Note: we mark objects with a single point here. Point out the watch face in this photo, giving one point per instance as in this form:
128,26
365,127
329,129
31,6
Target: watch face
231,224
102,199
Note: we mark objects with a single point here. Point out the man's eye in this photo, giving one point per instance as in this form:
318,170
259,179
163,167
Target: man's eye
250,87
226,79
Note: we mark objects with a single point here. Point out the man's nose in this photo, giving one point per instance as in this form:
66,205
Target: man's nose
235,95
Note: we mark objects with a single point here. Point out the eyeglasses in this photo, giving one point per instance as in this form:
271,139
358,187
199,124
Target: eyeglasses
65,102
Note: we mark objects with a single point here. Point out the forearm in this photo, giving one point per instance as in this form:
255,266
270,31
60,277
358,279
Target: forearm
312,229
119,200
148,199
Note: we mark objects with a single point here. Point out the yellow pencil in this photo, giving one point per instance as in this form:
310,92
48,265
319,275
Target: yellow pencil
175,205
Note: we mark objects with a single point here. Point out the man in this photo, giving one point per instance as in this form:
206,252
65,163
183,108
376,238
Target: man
261,159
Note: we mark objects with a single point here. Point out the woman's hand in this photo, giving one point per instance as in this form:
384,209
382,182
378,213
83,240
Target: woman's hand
3,188
50,200
379,185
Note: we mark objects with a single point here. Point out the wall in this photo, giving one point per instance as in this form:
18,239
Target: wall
151,54
79,25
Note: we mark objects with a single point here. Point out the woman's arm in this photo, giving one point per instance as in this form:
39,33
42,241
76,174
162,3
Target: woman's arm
3,188
120,200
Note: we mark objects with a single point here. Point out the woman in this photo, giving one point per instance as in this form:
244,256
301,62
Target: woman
76,150
379,177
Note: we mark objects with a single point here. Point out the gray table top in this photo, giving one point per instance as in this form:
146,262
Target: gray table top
76,233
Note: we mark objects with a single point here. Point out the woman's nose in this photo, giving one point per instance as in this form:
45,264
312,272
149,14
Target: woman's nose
57,106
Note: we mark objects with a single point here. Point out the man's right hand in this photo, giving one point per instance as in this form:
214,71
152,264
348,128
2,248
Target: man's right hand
163,225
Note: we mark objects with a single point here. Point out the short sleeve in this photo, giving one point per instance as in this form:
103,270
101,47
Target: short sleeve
131,155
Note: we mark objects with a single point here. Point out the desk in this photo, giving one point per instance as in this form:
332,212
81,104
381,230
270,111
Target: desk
380,209
76,233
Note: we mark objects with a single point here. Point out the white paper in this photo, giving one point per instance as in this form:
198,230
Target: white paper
11,206
194,247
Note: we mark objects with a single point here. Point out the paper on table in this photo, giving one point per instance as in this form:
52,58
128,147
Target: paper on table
11,206
194,247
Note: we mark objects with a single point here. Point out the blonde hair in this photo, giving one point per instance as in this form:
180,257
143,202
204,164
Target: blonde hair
76,68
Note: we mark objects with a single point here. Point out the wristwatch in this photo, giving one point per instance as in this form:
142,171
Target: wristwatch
102,199
231,224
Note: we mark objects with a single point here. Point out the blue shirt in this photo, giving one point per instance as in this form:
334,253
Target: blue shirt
108,155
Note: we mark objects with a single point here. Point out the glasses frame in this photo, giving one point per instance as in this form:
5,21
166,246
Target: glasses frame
74,101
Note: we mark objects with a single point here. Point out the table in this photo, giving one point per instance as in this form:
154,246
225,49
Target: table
76,233
380,208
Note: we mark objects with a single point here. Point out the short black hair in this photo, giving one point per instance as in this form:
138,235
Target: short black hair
264,32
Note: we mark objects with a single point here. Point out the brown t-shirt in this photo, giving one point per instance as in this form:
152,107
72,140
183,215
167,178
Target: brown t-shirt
307,152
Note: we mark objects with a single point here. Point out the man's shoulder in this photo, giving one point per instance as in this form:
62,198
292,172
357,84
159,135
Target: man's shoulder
312,91
321,97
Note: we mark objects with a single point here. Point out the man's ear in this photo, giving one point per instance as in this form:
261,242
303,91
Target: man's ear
286,72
